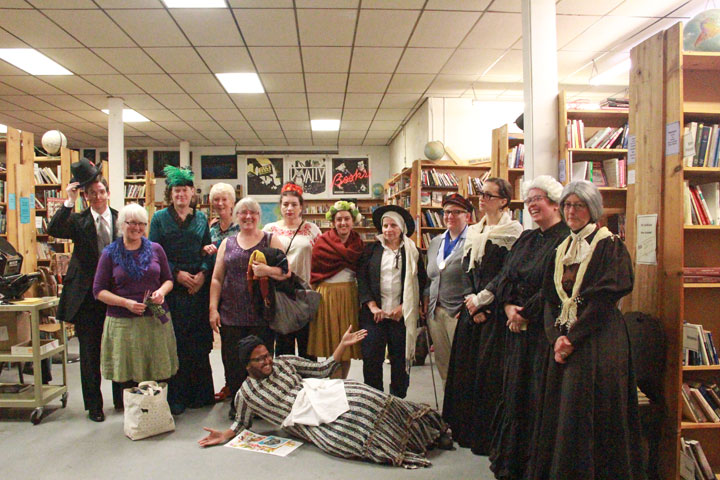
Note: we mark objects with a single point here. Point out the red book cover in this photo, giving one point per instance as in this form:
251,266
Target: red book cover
702,271
700,279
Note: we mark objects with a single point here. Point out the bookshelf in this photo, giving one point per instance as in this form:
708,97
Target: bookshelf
407,190
315,210
141,190
10,151
670,86
507,162
573,150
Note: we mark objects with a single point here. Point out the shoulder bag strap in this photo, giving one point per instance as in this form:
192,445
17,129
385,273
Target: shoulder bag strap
293,237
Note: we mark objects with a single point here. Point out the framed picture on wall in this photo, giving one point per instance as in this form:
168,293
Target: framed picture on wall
103,157
136,162
89,153
162,158
310,174
264,175
218,166
350,175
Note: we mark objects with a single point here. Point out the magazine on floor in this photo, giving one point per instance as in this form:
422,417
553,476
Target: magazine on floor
270,444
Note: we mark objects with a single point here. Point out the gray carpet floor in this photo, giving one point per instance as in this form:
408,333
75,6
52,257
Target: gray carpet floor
66,445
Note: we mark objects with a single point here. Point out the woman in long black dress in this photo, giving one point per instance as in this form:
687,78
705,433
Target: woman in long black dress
474,380
518,290
589,426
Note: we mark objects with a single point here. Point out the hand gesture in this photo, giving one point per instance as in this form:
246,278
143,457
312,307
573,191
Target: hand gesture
157,297
261,269
72,191
396,313
215,437
215,320
351,338
479,317
210,249
563,348
377,312
470,304
184,279
516,322
135,307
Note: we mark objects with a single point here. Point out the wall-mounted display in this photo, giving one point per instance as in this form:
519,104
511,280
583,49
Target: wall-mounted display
310,174
162,158
218,166
264,175
136,162
350,175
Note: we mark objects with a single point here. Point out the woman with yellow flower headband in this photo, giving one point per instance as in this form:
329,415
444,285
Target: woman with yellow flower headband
335,258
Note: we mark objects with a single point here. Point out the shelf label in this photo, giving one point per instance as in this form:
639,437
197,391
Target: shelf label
24,209
632,149
32,200
645,253
631,176
672,138
11,201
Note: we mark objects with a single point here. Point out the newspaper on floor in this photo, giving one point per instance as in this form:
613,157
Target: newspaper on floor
270,444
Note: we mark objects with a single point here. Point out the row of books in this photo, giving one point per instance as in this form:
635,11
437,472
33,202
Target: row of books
701,274
433,219
432,199
475,184
698,346
516,157
604,138
608,173
402,184
701,402
46,174
44,252
615,103
426,238
701,145
3,222
433,178
135,190
693,462
3,188
41,225
701,204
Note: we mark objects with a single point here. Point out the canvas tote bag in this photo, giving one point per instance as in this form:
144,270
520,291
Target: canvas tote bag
147,412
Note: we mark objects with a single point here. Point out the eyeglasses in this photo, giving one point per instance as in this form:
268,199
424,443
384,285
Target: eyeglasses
454,213
488,196
577,206
136,224
534,199
244,213
261,358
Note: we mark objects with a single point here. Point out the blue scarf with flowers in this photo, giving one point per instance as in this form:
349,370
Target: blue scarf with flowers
134,262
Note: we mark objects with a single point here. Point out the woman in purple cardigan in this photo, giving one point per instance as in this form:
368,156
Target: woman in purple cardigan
138,342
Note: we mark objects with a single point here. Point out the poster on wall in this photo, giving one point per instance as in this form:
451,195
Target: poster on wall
310,174
218,166
350,175
269,212
264,175
136,162
161,158
103,157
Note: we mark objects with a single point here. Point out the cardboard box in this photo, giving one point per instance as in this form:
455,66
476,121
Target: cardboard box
14,329
26,348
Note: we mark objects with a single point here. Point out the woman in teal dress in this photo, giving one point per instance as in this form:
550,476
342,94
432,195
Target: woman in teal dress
183,232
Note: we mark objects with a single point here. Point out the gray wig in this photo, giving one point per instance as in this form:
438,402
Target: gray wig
588,193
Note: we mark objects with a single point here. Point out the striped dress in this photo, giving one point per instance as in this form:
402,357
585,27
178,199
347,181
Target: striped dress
378,427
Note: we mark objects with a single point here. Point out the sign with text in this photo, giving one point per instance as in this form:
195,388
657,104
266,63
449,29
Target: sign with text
350,175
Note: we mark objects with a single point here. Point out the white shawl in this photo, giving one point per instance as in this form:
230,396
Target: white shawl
503,234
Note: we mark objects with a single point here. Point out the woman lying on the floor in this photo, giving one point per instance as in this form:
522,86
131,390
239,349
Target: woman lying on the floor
360,422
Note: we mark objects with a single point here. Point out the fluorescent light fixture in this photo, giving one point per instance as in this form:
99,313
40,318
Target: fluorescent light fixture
240,82
326,125
32,61
3,128
195,3
601,78
129,115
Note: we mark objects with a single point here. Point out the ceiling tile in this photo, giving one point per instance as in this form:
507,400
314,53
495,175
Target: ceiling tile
198,83
150,28
495,30
356,134
586,7
7,69
394,4
32,117
65,102
276,59
471,62
175,100
28,102
59,115
326,82
6,106
288,100
261,3
570,62
9,41
92,115
399,100
204,126
506,6
128,60
363,100
96,101
295,125
373,28
6,89
252,114
194,22
442,29
299,135
141,101
326,27
97,29
174,126
213,100
235,125
510,64
265,125
596,38
225,113
226,59
34,28
368,82
355,124
375,60
178,59
30,84
471,5
267,26
410,83
283,82
570,26
358,113
326,3
376,142
194,114
288,113
250,100
79,60
325,100
325,113
71,84
326,59
156,83
157,115
392,114
386,125
424,60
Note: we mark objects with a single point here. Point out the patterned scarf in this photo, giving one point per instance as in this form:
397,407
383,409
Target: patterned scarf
503,234
330,255
135,262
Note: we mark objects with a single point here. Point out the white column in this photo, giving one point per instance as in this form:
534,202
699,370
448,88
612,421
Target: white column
184,153
116,152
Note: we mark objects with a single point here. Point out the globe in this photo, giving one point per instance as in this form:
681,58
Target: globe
378,190
52,141
434,150
702,33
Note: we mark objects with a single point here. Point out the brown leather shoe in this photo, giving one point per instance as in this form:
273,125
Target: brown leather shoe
96,415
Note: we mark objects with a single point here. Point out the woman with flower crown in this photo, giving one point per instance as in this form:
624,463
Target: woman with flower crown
335,258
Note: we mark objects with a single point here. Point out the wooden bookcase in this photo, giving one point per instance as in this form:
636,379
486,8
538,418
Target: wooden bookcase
315,210
502,143
148,199
406,189
9,149
669,86
614,198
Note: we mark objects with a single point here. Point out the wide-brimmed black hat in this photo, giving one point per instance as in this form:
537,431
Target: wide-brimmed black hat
380,211
84,172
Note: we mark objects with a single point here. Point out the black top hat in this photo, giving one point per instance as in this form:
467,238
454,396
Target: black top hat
84,172
380,211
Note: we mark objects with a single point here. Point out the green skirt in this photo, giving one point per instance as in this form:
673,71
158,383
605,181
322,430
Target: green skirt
138,349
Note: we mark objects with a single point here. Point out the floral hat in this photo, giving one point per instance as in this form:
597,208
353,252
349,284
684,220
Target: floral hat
346,206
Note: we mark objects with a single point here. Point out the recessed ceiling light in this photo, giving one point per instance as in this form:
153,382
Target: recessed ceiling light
195,3
3,128
325,125
32,61
240,82
129,116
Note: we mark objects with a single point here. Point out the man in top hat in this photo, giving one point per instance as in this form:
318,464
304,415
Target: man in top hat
445,295
91,231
